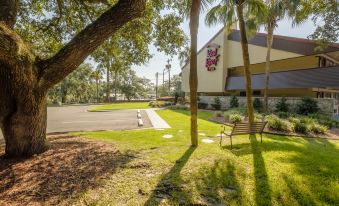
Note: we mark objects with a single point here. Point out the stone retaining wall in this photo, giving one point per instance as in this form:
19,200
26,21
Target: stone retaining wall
326,105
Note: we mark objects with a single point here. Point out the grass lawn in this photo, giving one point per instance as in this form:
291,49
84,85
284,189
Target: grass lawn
119,106
281,171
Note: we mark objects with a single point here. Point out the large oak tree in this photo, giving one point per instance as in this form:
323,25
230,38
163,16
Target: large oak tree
63,44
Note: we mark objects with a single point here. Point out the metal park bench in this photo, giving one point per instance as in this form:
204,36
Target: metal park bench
243,128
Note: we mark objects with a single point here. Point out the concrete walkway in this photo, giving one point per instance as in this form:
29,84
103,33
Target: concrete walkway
156,120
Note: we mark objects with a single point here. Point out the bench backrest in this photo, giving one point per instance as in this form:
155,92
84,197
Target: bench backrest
243,128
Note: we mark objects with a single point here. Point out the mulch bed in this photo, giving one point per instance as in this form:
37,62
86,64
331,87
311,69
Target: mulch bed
332,134
71,166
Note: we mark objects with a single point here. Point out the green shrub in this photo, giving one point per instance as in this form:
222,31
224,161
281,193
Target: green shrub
307,120
283,115
257,104
282,105
219,114
318,129
181,100
202,105
293,120
277,124
157,104
227,116
325,120
178,107
166,104
307,106
234,102
235,118
217,103
301,127
257,117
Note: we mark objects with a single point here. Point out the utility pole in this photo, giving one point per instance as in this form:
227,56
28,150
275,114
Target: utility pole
168,67
163,77
156,85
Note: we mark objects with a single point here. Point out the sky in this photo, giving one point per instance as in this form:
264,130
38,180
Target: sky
159,60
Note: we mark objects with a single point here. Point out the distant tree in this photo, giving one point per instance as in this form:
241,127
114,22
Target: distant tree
134,86
76,86
325,15
97,76
176,85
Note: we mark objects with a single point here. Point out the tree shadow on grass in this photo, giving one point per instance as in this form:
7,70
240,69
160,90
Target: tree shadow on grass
218,185
314,162
262,186
298,195
170,186
71,166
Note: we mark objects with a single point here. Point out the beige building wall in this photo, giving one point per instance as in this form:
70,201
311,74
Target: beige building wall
303,62
208,81
257,54
231,56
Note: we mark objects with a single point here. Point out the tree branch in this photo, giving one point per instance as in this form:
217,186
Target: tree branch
13,50
8,12
83,44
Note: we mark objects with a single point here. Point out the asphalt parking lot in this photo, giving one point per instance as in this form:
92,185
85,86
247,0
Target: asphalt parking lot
76,118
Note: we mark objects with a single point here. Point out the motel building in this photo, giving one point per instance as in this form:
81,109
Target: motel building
297,70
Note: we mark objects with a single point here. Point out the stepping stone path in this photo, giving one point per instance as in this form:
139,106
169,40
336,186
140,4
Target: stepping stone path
202,134
207,141
160,129
167,136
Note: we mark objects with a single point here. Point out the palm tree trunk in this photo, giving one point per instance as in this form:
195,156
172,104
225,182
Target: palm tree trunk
246,59
268,62
107,86
193,79
115,85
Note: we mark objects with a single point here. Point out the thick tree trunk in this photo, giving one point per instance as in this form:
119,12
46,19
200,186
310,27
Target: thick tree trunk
193,79
115,85
97,83
108,92
268,62
23,118
25,132
246,59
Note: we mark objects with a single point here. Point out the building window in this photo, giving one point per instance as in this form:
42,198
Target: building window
243,94
256,93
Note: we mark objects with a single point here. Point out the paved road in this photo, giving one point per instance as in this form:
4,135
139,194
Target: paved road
76,118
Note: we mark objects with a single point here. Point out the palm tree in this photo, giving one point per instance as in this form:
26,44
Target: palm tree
192,10
230,11
193,79
97,75
277,10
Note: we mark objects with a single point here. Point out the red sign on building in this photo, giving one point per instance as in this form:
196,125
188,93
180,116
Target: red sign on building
212,57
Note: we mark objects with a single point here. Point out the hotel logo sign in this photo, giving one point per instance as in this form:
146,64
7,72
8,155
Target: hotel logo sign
212,57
